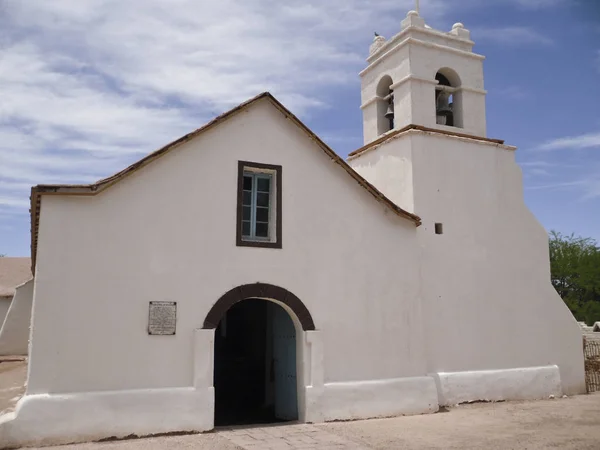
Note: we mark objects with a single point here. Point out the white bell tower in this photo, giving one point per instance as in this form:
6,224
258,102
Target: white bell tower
423,77
481,253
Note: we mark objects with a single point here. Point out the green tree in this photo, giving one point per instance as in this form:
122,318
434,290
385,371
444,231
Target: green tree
575,273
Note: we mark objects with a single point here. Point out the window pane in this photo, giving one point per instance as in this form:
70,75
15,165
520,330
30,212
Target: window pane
264,184
247,182
256,205
247,210
245,228
247,200
262,199
262,229
262,214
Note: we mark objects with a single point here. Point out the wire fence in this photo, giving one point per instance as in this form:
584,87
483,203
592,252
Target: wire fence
591,350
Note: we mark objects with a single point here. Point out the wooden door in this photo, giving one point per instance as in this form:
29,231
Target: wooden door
284,355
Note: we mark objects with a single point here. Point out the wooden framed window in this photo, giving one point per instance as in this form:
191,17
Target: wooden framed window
259,205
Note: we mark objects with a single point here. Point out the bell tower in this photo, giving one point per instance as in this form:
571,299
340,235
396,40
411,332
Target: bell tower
481,252
423,77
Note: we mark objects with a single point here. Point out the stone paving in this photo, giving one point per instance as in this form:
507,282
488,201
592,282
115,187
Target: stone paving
288,437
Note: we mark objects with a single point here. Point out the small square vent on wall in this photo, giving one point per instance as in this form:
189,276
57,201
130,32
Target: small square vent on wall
439,228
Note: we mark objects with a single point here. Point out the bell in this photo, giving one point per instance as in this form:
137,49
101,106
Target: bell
444,116
389,114
443,110
442,102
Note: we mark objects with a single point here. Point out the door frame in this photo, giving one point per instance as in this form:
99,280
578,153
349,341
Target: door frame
264,291
309,348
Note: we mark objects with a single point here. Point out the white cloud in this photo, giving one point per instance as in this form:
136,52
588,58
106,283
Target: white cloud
588,186
591,188
7,202
538,4
585,180
537,164
510,35
512,92
550,166
87,87
538,172
209,54
583,141
537,168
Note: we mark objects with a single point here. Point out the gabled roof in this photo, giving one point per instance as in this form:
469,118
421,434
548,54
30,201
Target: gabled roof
13,273
93,189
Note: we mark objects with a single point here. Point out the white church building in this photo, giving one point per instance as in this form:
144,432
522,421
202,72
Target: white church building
245,273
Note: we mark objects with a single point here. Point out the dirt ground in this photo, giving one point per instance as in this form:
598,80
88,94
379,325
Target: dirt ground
13,372
565,423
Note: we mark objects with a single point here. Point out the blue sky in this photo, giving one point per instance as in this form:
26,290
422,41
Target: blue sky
89,87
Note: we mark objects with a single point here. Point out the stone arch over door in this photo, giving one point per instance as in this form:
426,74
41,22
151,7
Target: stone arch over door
258,290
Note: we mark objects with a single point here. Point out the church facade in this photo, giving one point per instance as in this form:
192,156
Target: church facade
246,273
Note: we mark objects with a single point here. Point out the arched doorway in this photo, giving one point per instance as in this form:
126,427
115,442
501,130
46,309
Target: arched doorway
256,373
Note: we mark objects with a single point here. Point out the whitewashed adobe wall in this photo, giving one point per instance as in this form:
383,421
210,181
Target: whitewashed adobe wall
168,216
14,333
4,306
485,281
491,263
167,232
390,168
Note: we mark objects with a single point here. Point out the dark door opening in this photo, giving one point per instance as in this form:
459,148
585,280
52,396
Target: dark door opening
255,365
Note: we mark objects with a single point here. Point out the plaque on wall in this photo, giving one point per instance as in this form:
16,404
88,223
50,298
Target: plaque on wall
162,317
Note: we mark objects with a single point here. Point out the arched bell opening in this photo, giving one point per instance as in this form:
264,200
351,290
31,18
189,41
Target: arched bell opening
448,98
385,105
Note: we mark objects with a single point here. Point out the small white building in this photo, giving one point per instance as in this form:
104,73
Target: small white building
15,305
246,273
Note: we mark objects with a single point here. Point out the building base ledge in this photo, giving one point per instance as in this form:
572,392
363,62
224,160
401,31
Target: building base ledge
54,419
527,383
